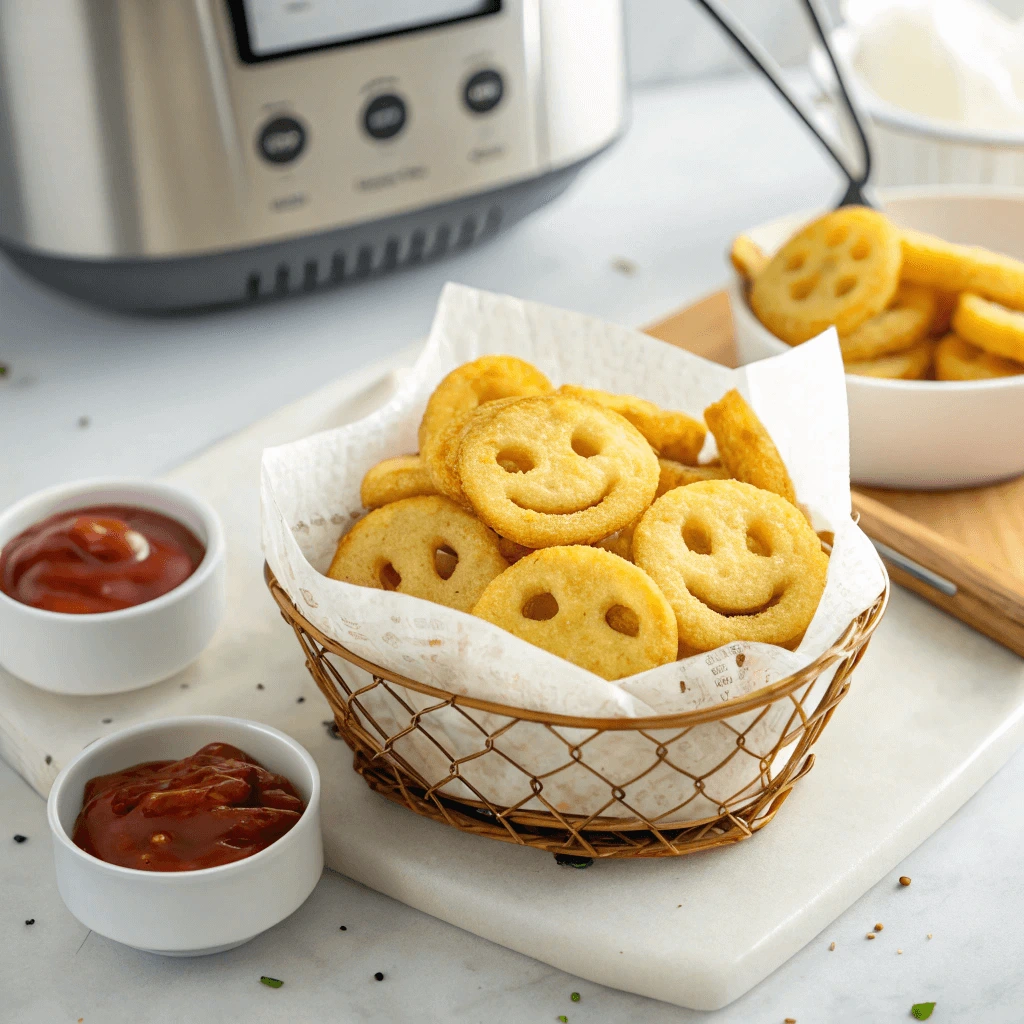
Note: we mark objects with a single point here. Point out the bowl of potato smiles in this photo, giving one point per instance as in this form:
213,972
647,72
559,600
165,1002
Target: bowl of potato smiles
585,523
927,297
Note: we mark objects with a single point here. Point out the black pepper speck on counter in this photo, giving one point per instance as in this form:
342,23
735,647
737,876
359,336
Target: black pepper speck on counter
19,838
379,976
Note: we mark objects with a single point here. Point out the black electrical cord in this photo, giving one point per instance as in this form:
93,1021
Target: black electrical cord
763,61
817,21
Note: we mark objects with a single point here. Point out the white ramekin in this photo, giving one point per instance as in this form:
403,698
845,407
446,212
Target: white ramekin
921,434
112,652
187,913
909,149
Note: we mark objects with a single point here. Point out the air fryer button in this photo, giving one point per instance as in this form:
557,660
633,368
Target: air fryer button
484,91
282,140
384,116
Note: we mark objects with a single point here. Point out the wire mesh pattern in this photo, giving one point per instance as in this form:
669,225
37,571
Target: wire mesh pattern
584,787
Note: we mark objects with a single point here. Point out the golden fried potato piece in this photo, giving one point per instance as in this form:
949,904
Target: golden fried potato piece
840,270
428,547
994,328
735,562
746,448
441,459
675,474
747,257
956,359
913,364
934,262
511,551
587,606
672,434
404,476
555,470
620,543
895,329
467,386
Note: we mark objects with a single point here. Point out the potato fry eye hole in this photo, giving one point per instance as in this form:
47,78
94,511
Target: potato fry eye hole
799,290
446,559
585,446
758,541
540,607
861,249
696,538
623,620
845,285
389,577
514,460
796,261
837,236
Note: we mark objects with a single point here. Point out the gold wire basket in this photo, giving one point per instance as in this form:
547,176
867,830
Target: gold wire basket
390,722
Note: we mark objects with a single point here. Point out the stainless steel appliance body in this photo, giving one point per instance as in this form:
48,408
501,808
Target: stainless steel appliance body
165,154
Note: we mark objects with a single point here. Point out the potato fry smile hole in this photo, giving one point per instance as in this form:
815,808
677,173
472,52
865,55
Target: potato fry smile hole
445,560
758,541
389,577
585,446
540,607
623,620
737,613
696,538
796,261
512,460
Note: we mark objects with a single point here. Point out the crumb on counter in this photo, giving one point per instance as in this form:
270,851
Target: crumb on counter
904,880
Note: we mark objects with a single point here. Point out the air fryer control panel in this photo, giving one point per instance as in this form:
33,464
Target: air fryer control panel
371,114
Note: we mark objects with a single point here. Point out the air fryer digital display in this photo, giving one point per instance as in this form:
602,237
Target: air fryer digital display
268,29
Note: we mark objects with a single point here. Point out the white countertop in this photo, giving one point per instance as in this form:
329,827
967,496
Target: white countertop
668,198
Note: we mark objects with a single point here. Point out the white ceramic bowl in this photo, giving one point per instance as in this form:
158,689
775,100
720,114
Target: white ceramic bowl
187,913
112,652
910,149
921,434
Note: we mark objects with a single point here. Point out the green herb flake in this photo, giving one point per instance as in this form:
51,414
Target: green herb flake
277,983
575,997
562,1017
922,1011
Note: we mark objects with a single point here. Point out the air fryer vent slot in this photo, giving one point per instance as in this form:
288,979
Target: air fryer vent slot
368,258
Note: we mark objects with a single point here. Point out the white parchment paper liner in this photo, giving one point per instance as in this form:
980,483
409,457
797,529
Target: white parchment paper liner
310,496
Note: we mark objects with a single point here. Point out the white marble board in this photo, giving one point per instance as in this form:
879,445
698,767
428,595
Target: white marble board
934,711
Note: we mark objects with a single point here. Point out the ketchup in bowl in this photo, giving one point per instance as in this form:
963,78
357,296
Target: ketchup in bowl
215,807
98,559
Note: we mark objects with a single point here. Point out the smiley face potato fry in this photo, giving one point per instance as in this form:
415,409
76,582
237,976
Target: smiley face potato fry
428,547
466,387
585,605
673,435
555,470
840,270
735,563
956,359
913,364
404,476
992,327
745,447
895,329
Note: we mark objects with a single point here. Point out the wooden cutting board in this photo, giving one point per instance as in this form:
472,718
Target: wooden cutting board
961,550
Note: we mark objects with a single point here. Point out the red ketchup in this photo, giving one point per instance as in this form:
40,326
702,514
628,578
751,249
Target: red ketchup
98,559
215,807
